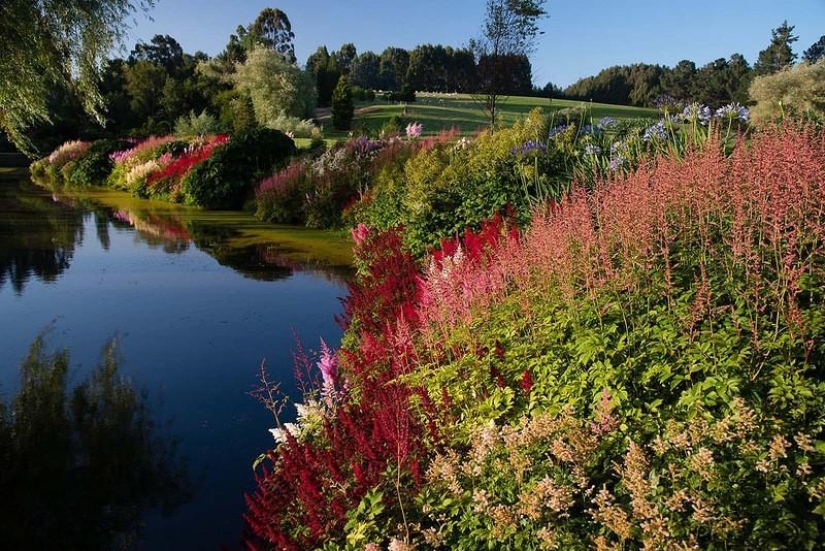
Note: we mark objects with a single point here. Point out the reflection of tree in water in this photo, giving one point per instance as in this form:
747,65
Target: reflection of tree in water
35,221
214,240
260,261
37,236
102,229
78,469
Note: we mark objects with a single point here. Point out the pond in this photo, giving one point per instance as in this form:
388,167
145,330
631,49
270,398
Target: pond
196,301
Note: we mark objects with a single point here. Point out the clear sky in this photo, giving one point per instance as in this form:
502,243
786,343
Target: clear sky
580,37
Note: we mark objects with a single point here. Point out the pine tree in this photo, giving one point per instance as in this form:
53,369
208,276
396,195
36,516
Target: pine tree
343,108
816,51
779,54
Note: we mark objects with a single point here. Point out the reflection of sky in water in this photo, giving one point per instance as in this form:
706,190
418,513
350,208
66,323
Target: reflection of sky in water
193,333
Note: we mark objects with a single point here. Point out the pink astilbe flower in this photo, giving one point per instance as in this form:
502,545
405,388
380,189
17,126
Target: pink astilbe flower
282,181
328,365
359,233
141,149
68,151
414,130
606,422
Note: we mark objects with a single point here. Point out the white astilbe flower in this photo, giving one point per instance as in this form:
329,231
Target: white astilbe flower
280,435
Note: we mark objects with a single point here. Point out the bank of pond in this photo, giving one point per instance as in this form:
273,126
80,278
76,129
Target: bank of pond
634,361
150,444
434,185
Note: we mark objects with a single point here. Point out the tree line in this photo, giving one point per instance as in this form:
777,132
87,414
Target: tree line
255,80
717,83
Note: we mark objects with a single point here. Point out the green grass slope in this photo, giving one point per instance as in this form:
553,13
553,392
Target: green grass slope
438,112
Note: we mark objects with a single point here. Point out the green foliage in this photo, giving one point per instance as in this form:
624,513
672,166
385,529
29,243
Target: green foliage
276,88
778,55
273,30
405,95
343,107
395,125
795,91
226,179
55,45
196,125
93,167
325,73
816,51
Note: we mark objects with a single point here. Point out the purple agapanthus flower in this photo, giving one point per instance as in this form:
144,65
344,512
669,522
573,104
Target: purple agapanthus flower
530,146
591,149
607,123
696,112
556,131
733,111
655,132
617,162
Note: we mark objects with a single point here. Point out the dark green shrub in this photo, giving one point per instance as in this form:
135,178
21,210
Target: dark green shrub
395,125
343,107
175,148
38,168
407,95
226,179
95,166
363,94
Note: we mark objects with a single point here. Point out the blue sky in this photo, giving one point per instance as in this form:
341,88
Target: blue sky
580,38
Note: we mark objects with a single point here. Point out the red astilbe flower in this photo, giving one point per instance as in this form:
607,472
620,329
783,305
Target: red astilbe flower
526,382
303,500
171,175
387,287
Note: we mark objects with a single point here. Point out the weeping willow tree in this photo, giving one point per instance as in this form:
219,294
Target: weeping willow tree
49,43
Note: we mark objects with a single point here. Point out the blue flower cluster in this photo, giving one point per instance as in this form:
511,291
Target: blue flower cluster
528,147
666,101
733,111
695,112
607,123
618,161
556,131
655,132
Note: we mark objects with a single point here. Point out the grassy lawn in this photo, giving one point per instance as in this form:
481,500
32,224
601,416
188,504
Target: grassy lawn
444,111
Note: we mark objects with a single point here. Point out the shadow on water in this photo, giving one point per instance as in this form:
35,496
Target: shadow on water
80,467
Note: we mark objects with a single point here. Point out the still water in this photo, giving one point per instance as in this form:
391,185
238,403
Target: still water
196,301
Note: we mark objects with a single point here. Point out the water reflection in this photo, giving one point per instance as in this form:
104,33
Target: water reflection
40,230
79,468
155,231
37,236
